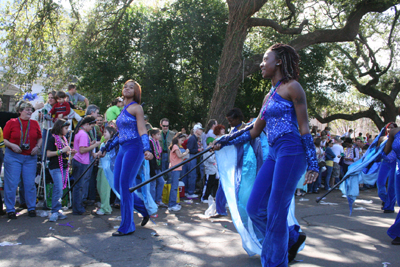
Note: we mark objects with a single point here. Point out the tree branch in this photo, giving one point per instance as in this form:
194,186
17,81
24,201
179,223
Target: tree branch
256,22
350,29
292,9
74,11
396,88
370,113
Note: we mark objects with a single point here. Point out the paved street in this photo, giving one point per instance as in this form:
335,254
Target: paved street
186,238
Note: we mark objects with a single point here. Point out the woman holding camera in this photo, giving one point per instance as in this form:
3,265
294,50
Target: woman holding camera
22,138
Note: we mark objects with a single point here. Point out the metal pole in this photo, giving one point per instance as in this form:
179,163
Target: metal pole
43,165
69,162
168,170
76,181
196,166
330,190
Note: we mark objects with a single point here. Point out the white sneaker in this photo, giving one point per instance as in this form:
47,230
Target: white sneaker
99,212
344,196
204,201
175,208
192,196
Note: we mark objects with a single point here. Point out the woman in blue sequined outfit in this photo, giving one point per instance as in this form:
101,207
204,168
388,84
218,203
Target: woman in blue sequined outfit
285,120
393,143
132,139
386,175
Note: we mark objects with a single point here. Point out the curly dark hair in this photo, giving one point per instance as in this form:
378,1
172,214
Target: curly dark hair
290,61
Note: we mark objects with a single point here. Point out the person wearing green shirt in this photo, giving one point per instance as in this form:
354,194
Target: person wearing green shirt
113,111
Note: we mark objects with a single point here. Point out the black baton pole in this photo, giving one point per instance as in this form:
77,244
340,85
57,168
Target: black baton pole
330,190
168,170
195,166
76,181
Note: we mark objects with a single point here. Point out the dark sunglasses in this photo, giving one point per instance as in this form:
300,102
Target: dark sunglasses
165,126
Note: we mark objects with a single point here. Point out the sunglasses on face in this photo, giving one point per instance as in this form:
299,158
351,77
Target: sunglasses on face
166,126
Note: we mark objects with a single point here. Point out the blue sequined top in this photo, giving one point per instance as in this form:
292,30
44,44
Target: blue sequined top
396,145
280,117
127,125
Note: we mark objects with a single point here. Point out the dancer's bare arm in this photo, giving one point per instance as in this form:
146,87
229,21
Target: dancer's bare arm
259,126
137,111
298,97
388,146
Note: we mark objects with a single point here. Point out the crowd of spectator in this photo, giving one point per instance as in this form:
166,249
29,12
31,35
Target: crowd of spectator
335,153
43,132
67,143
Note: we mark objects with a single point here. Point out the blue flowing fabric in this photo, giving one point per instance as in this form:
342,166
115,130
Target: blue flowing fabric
365,170
238,166
107,163
144,193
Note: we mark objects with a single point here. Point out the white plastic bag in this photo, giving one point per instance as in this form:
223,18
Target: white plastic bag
212,208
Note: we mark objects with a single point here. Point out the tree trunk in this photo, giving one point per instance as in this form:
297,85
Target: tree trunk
230,71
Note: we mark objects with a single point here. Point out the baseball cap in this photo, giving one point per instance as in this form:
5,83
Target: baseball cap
198,127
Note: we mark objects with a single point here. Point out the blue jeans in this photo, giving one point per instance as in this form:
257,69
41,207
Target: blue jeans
174,181
272,193
328,177
92,188
1,158
185,169
77,193
21,192
16,165
192,176
156,187
126,168
57,189
387,173
165,164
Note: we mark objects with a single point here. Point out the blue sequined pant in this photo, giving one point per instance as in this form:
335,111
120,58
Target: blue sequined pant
127,164
272,193
387,173
394,230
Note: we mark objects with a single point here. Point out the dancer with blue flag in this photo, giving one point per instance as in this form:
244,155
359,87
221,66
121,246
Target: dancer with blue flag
363,171
386,175
393,144
389,152
133,139
291,151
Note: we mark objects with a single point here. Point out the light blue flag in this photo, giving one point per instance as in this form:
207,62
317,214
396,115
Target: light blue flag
365,170
238,167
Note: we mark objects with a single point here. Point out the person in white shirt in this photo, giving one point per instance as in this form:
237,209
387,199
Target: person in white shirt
209,132
351,154
212,176
338,150
348,134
